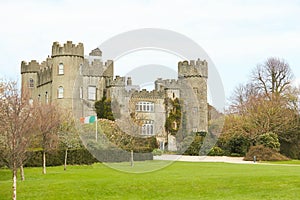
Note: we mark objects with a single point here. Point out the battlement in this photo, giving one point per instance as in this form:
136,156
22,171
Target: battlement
161,84
118,82
68,49
193,68
44,75
144,94
33,66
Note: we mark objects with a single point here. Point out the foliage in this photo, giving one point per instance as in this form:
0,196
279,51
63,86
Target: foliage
112,137
216,151
174,116
103,109
157,152
267,103
263,153
269,140
195,146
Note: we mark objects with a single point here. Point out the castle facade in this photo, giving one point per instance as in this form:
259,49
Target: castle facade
75,82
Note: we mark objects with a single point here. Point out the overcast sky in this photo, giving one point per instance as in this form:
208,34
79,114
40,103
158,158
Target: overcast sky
236,34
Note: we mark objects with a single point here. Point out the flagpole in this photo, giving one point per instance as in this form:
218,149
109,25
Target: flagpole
96,129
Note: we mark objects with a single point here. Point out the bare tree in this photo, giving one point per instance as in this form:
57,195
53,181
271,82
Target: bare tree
273,78
48,120
16,126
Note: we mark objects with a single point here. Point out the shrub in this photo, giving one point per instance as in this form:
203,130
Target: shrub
263,153
269,140
238,145
216,151
157,152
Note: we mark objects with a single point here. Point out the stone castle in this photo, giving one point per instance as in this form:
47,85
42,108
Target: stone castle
75,82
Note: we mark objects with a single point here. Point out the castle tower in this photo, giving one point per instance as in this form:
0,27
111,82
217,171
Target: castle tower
67,60
194,75
29,78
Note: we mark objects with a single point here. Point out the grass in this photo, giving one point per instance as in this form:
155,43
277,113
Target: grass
181,180
290,162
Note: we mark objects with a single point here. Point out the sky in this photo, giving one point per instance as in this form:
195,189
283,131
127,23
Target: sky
236,34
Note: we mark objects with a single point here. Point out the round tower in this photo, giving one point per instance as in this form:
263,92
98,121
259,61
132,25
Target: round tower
29,78
66,62
194,74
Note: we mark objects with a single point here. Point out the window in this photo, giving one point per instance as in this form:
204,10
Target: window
60,69
31,101
145,106
31,83
80,93
60,92
80,69
92,93
195,90
47,98
147,128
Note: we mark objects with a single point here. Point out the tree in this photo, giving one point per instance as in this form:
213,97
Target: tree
68,136
103,109
273,78
267,103
48,120
16,125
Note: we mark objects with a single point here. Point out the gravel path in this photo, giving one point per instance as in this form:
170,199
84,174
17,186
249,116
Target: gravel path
224,159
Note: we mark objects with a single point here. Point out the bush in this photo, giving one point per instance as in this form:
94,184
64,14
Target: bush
216,151
269,140
263,153
157,152
238,145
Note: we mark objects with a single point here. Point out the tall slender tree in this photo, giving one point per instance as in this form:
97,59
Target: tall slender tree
16,125
48,120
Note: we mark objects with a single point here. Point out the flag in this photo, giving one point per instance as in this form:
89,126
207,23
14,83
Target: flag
88,119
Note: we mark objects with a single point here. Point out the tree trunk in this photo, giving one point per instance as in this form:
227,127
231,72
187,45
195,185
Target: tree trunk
22,173
66,157
44,162
14,187
131,159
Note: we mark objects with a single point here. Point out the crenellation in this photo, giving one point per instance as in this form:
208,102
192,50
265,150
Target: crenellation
68,49
118,82
144,94
193,68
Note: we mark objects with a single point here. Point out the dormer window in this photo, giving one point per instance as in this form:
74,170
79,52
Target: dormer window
61,69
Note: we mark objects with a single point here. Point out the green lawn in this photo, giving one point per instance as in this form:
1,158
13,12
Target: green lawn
181,180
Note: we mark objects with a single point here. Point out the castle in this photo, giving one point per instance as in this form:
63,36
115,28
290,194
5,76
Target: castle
76,82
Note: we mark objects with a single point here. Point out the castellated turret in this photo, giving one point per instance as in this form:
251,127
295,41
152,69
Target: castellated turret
68,49
196,68
193,75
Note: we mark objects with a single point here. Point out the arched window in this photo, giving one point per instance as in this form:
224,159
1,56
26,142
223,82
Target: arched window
80,69
61,68
60,92
80,93
47,97
31,83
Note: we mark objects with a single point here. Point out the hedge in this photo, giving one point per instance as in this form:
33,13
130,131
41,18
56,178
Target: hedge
82,157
